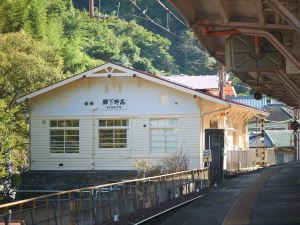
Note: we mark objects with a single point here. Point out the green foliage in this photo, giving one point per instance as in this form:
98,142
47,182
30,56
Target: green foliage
191,57
13,14
25,65
186,51
44,41
240,87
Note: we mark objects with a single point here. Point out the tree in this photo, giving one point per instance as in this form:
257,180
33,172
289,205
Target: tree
191,57
25,65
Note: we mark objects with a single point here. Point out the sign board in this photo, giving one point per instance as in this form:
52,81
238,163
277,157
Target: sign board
113,103
207,153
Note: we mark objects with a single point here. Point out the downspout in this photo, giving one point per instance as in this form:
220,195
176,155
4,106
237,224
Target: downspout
29,123
202,124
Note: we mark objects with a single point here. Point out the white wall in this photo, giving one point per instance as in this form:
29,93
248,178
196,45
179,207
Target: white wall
143,97
143,103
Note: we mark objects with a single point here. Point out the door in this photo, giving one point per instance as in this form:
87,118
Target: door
214,140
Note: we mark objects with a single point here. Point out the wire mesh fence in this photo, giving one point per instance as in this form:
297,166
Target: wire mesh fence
95,205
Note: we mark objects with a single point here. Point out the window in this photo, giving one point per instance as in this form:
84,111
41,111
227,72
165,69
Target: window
113,133
64,136
163,135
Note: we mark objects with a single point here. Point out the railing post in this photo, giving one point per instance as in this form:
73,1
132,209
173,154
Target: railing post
131,194
47,209
166,191
92,212
155,192
71,209
117,202
81,208
54,213
33,211
124,199
100,206
188,189
193,179
173,186
136,190
198,180
21,214
143,193
59,209
109,206
7,216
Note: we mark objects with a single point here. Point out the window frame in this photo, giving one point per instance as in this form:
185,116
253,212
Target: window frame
64,129
113,128
164,127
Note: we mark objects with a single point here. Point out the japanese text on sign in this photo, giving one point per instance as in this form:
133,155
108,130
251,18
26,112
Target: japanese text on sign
113,103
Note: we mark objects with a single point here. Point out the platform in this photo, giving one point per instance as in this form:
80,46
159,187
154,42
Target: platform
269,196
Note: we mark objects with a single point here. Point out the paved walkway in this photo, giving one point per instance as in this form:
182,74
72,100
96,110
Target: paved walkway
269,196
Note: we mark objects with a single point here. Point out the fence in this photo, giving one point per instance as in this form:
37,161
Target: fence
240,159
246,159
96,205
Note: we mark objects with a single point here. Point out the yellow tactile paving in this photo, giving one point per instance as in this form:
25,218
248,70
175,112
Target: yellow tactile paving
239,214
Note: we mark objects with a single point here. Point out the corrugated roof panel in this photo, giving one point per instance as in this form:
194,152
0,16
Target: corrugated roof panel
250,101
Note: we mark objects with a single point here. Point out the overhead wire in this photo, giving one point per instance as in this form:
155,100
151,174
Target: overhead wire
171,13
150,19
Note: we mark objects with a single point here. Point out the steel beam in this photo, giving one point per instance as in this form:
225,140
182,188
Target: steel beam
212,23
223,9
274,41
260,11
285,13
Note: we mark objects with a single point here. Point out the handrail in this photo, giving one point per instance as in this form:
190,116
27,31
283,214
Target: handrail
11,204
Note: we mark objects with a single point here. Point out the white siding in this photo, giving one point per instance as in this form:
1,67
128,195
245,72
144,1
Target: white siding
143,98
110,159
143,103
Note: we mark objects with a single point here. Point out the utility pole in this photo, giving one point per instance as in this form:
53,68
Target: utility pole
221,82
118,10
262,135
296,112
91,8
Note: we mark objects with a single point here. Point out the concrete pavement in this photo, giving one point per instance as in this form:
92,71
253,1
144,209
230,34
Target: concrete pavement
269,196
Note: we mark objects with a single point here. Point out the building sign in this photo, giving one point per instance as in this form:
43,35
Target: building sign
113,103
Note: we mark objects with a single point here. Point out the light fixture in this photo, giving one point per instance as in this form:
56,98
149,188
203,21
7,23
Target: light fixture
257,95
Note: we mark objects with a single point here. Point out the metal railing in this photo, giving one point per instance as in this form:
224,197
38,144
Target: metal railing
96,205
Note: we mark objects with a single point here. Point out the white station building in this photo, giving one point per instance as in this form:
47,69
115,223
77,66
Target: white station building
109,116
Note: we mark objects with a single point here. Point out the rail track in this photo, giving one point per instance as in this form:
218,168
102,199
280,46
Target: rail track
159,217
